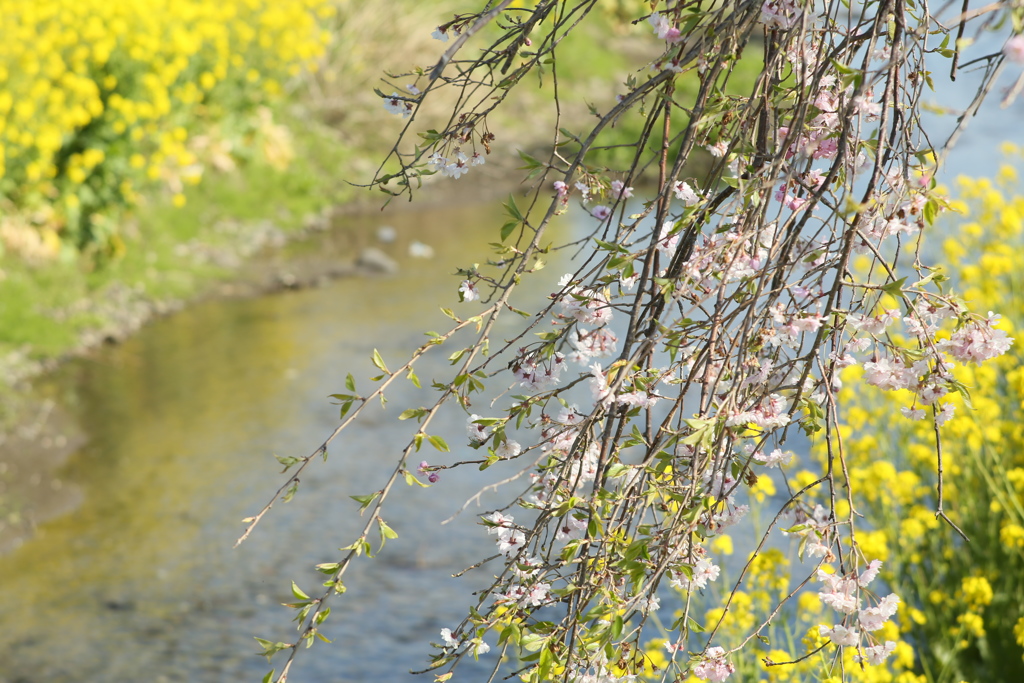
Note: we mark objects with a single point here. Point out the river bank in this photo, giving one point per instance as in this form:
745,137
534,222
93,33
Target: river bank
57,308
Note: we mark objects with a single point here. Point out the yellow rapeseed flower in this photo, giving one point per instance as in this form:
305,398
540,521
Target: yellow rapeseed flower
977,591
58,62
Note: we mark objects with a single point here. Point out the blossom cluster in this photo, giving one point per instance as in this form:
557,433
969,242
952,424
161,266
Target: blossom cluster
843,594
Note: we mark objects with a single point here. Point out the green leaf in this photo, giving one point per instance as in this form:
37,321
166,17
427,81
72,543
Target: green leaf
611,246
532,642
507,229
547,661
617,626
530,161
512,209
364,501
510,632
438,443
297,592
270,675
286,460
844,69
350,382
379,362
895,288
271,648
412,412
290,493
411,479
385,530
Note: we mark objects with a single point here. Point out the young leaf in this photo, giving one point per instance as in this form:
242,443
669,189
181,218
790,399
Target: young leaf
297,592
364,501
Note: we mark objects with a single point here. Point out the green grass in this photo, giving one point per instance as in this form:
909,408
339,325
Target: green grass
41,307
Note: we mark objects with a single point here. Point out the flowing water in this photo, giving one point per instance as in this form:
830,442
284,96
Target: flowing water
137,580
140,581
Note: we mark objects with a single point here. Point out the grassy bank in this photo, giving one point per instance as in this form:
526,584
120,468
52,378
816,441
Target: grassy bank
54,308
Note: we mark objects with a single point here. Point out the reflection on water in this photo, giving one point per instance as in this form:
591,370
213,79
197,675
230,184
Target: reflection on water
140,582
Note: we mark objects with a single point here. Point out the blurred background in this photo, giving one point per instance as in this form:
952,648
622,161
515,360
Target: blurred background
158,153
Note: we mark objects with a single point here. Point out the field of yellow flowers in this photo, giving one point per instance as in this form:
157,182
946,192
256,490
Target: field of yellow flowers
961,615
964,600
101,100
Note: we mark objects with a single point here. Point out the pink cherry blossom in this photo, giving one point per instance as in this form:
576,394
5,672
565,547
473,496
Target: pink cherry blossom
876,654
620,191
840,592
774,459
663,29
874,618
1014,49
978,342
840,635
685,193
714,667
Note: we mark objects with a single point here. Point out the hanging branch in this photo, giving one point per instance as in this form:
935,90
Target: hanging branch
661,382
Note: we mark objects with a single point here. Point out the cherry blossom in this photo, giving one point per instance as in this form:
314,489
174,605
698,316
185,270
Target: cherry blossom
705,570
663,29
874,618
570,527
714,667
478,433
1014,49
840,635
468,291
685,193
869,574
620,191
876,654
840,592
395,104
448,639
774,459
978,342
508,449
912,413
